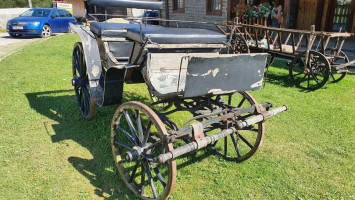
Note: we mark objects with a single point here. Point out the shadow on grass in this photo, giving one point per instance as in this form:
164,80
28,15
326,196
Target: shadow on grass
65,123
60,107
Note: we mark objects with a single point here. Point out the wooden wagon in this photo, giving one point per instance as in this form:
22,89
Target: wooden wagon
315,57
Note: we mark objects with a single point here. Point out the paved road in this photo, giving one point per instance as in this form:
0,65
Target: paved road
9,45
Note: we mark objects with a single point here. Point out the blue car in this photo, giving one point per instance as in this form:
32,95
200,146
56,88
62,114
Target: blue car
40,21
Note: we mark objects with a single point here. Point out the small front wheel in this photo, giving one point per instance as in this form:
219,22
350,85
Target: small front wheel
315,75
138,136
244,143
46,31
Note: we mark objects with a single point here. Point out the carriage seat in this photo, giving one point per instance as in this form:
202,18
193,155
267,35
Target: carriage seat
165,35
111,29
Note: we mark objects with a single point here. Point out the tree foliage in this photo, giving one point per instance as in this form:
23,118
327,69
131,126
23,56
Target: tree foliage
24,3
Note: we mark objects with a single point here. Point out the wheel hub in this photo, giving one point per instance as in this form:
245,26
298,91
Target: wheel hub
134,154
77,82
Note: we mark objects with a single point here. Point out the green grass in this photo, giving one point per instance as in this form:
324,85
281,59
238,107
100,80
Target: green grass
2,30
47,151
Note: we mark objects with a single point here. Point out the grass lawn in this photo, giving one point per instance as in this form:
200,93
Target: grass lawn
47,151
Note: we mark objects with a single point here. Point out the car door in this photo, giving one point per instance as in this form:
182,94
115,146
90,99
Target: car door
55,21
64,26
66,20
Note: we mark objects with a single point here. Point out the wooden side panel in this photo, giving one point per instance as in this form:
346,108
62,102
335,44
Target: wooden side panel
307,14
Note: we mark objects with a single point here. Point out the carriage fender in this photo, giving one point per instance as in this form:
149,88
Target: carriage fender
93,61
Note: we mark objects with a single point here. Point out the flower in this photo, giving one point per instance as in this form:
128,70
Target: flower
261,10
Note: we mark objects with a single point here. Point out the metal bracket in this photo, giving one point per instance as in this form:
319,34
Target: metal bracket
197,131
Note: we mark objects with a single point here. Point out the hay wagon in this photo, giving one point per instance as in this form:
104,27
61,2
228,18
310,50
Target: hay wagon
314,57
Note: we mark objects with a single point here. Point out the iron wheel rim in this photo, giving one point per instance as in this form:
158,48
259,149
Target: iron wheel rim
124,139
82,91
317,72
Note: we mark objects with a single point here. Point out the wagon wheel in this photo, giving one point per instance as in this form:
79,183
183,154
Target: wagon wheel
238,45
243,144
316,74
334,76
164,105
80,82
137,137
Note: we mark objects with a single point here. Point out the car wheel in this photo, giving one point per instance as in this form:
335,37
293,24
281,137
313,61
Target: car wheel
15,35
46,31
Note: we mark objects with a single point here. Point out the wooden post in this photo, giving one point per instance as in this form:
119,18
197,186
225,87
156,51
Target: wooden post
309,46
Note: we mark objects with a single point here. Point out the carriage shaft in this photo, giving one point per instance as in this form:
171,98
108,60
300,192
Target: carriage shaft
203,142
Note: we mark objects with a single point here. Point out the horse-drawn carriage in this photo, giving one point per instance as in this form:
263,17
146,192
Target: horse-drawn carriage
181,67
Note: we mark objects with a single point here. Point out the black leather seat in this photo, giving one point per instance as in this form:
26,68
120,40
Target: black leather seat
111,29
165,35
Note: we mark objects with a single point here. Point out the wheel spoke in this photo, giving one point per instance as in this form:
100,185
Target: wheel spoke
157,172
139,126
130,138
315,78
150,178
131,126
147,132
123,144
133,172
245,141
153,145
235,145
142,179
241,102
332,76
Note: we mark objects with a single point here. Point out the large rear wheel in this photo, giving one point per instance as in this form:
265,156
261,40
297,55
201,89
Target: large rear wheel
335,76
243,144
80,82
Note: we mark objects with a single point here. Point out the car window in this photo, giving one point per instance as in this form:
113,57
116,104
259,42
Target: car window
55,14
68,14
36,13
62,13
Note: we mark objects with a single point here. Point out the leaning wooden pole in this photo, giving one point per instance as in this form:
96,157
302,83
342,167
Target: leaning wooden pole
30,3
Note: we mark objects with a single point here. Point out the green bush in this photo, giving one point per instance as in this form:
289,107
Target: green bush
24,3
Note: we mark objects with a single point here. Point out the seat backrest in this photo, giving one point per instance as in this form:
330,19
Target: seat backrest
167,35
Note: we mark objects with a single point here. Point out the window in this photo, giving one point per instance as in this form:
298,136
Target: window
179,5
214,7
62,13
67,13
55,14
